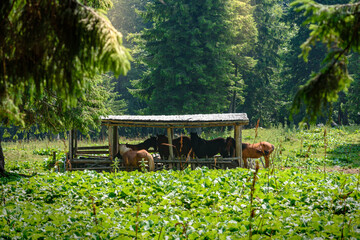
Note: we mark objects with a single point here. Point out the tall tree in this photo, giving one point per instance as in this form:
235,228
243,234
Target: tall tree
296,71
242,39
49,50
125,18
261,92
186,54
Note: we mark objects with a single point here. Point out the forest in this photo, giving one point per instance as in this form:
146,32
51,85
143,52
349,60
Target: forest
268,59
290,65
246,58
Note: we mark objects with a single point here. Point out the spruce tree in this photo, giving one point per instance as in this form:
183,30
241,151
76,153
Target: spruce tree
50,52
186,55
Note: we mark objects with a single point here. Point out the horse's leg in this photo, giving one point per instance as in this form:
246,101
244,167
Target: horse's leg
245,162
126,163
267,161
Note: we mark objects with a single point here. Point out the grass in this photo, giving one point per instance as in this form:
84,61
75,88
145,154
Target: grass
294,147
293,200
343,144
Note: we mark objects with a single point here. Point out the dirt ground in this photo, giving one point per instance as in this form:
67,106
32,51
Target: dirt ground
342,169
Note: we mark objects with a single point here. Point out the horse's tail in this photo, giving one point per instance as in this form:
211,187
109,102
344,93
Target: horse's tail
151,163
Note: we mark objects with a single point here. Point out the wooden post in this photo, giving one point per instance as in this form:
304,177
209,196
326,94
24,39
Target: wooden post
170,137
72,150
113,141
238,141
75,143
70,144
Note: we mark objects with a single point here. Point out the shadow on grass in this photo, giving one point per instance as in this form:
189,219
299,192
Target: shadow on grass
13,176
348,154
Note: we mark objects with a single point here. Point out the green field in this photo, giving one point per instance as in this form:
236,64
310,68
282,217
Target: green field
295,199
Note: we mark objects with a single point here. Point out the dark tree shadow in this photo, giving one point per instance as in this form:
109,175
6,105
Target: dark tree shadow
346,154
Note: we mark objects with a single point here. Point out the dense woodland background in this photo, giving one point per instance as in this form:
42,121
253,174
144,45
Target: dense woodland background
205,57
190,60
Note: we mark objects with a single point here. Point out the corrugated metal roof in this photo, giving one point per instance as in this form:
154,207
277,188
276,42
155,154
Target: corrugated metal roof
191,120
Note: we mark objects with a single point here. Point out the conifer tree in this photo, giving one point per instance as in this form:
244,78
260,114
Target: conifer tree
49,52
187,53
338,27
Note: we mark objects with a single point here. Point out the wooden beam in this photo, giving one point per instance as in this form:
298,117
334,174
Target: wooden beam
93,168
116,141
238,148
91,152
75,142
93,161
113,141
93,147
70,145
167,125
170,138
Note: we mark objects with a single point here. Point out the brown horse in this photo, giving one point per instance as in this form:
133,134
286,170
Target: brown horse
133,158
181,146
148,143
255,150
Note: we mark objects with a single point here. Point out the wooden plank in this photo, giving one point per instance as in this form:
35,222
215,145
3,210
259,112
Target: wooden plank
70,144
113,141
92,168
184,125
87,156
75,142
97,161
170,137
194,162
93,147
237,137
189,120
93,157
91,152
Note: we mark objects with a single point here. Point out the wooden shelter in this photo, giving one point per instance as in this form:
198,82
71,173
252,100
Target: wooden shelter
170,122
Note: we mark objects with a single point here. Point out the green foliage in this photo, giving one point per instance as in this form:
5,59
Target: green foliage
50,162
337,26
45,151
53,47
242,40
293,200
187,54
263,83
116,164
206,203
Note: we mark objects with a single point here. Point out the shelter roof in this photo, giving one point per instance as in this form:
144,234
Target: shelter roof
176,121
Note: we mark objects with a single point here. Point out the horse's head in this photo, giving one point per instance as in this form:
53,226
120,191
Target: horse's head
151,142
123,149
194,135
194,139
230,146
267,148
160,139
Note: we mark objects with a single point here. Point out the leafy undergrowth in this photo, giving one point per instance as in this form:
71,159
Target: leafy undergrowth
318,147
198,204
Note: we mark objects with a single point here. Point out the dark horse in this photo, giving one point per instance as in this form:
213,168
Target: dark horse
181,146
230,146
256,150
208,148
150,142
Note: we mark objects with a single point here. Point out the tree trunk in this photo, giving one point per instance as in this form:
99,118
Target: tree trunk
2,161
